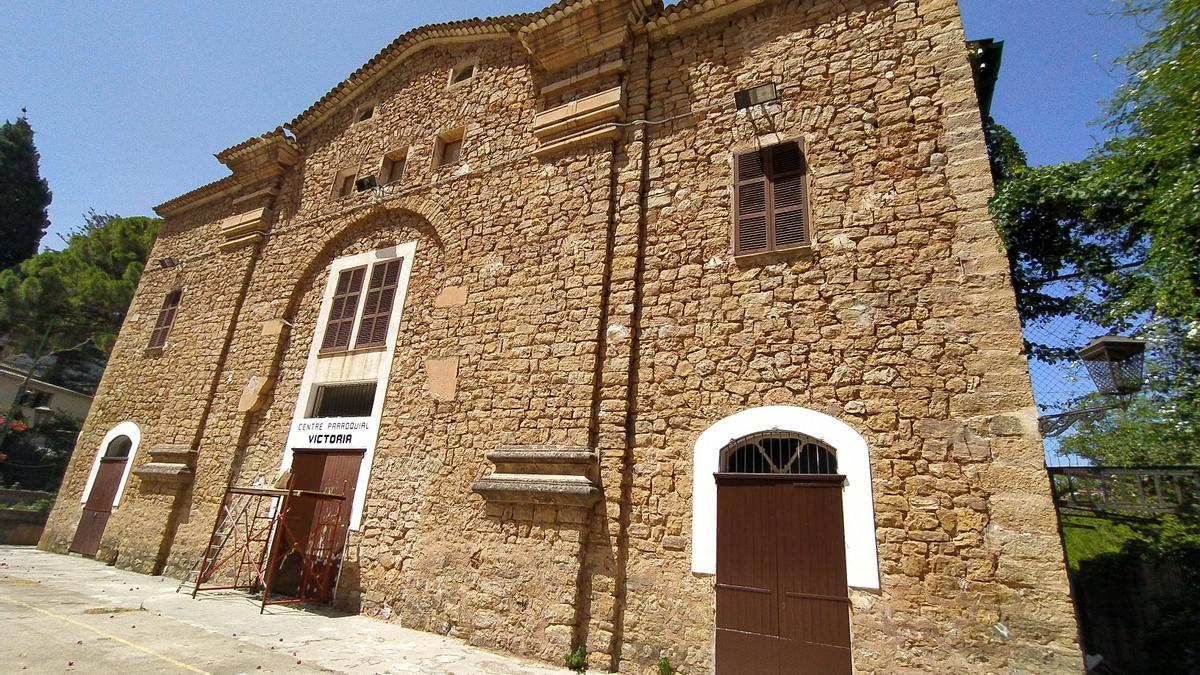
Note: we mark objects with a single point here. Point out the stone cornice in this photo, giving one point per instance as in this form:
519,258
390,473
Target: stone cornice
250,161
568,32
199,196
274,147
400,48
535,31
689,13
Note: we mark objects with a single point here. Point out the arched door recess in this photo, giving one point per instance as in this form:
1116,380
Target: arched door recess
105,484
782,599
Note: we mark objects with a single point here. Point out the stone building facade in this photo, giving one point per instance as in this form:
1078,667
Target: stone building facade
587,318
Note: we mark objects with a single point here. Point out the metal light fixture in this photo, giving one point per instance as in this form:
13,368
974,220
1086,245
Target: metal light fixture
1116,366
42,415
168,263
763,93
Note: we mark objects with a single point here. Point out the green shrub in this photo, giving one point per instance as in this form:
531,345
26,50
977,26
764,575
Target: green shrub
40,506
664,667
577,659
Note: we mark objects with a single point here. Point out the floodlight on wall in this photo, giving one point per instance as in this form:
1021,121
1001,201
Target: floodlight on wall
1116,366
168,263
763,93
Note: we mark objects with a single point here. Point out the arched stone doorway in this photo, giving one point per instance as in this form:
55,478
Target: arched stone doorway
105,485
785,470
782,598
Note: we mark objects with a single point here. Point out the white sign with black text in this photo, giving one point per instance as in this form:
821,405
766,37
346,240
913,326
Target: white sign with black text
332,433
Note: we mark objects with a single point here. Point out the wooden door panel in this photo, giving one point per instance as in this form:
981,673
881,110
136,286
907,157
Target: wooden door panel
87,534
104,488
747,575
782,600
308,534
814,659
99,505
306,475
339,477
811,541
814,620
814,615
739,653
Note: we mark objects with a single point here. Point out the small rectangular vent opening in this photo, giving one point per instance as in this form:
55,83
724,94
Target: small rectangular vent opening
344,400
447,148
364,113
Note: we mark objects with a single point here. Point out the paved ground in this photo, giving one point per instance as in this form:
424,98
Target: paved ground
70,614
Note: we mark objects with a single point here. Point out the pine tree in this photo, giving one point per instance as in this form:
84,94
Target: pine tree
24,195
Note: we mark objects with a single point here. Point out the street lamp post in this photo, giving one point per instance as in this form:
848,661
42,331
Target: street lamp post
1116,366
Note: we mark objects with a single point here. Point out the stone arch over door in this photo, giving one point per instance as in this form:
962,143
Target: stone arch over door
411,227
425,220
110,471
854,462
134,433
421,220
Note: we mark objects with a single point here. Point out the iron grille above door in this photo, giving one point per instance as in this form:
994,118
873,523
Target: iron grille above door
778,453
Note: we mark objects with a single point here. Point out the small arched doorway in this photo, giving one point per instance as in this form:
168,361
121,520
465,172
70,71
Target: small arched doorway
782,598
105,487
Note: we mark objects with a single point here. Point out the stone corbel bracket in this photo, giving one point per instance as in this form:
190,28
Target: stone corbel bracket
243,228
170,464
586,121
561,476
257,166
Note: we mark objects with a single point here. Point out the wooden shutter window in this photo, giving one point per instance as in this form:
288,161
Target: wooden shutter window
341,314
771,201
377,310
750,207
166,319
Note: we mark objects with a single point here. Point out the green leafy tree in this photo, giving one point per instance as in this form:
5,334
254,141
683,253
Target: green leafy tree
61,303
1114,239
81,293
35,459
24,195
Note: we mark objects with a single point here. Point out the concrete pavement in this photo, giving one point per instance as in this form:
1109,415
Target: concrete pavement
70,614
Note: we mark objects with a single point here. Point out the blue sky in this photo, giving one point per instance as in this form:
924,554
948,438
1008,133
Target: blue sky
129,100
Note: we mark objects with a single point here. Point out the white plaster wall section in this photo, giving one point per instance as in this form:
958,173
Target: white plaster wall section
854,462
135,436
375,365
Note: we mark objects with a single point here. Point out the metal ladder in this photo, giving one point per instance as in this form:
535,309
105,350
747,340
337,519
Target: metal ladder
244,515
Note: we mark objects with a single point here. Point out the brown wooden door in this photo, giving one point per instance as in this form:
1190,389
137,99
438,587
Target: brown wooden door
308,521
99,505
782,600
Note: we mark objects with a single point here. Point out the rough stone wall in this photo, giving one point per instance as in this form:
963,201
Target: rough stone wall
430,553
900,322
165,392
579,269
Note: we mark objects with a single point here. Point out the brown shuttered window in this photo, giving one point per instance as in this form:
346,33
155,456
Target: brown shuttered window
166,319
377,310
341,314
770,206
